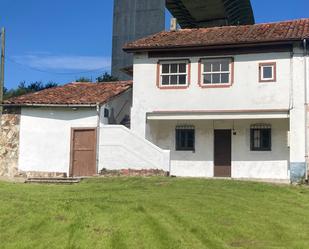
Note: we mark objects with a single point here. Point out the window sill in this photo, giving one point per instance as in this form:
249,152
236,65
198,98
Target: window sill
268,150
215,85
183,150
173,87
267,81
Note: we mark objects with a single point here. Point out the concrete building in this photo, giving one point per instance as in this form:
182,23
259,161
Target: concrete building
209,13
134,19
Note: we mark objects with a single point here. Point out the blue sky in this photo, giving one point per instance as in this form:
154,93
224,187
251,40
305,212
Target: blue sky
61,40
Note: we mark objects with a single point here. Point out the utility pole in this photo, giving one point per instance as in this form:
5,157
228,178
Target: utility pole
2,66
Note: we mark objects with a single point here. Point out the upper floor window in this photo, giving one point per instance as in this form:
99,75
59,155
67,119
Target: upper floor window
267,72
174,73
217,71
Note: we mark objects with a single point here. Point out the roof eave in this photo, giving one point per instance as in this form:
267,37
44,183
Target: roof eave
48,105
209,47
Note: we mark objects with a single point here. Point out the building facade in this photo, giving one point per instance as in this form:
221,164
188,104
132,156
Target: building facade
227,102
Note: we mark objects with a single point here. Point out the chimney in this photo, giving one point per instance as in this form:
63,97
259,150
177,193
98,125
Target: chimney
173,24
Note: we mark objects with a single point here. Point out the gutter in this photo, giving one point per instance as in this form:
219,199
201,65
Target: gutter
306,105
48,105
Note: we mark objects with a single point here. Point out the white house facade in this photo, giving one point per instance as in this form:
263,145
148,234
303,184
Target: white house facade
226,102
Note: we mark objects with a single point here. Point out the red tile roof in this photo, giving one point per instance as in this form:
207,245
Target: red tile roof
228,35
77,93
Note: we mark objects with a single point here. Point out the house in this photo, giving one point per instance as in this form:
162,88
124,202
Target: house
226,101
54,132
209,102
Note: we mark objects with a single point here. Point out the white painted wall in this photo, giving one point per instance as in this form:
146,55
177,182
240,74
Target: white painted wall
118,107
246,93
45,133
122,149
45,137
297,113
245,163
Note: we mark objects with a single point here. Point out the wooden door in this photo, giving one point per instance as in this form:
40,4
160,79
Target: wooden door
83,152
222,153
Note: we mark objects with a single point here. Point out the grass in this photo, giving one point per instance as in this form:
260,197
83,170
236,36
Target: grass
154,213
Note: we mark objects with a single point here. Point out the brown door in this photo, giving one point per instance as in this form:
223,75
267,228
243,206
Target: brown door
83,154
222,153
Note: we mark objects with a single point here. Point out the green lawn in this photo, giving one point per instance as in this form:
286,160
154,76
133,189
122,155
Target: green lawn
154,213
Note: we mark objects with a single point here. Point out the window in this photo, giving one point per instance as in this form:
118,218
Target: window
267,72
106,113
216,71
260,137
185,138
173,73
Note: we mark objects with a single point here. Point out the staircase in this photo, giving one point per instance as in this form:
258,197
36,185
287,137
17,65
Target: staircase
120,148
53,180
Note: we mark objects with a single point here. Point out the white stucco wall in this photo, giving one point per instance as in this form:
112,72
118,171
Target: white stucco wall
119,107
297,113
245,163
121,149
246,93
45,135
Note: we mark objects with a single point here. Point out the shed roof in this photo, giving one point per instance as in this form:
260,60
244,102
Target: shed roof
76,93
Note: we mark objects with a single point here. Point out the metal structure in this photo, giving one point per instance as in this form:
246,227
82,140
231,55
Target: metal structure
134,19
209,13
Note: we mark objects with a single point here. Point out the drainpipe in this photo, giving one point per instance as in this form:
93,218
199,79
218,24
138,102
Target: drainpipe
306,106
98,136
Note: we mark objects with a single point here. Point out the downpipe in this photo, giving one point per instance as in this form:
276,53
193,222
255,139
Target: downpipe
306,106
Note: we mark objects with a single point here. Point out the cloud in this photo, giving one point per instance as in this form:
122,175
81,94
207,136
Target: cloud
47,61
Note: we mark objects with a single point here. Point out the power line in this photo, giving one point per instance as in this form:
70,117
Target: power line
50,72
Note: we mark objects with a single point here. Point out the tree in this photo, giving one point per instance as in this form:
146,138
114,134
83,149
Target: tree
84,79
23,88
106,77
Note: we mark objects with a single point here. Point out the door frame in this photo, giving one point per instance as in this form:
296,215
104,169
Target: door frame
73,129
214,137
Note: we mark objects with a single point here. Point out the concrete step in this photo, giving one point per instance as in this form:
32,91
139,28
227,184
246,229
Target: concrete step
53,180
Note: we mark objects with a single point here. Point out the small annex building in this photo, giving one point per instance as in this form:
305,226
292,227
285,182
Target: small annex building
55,132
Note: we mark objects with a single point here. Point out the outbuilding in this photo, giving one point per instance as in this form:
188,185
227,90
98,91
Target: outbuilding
55,132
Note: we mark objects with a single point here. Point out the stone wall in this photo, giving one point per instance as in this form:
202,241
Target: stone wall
37,174
133,172
9,142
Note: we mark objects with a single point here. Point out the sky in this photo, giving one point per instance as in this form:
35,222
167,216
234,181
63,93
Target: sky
62,40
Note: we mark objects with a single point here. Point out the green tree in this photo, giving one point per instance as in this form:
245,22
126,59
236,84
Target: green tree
84,79
23,88
106,77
